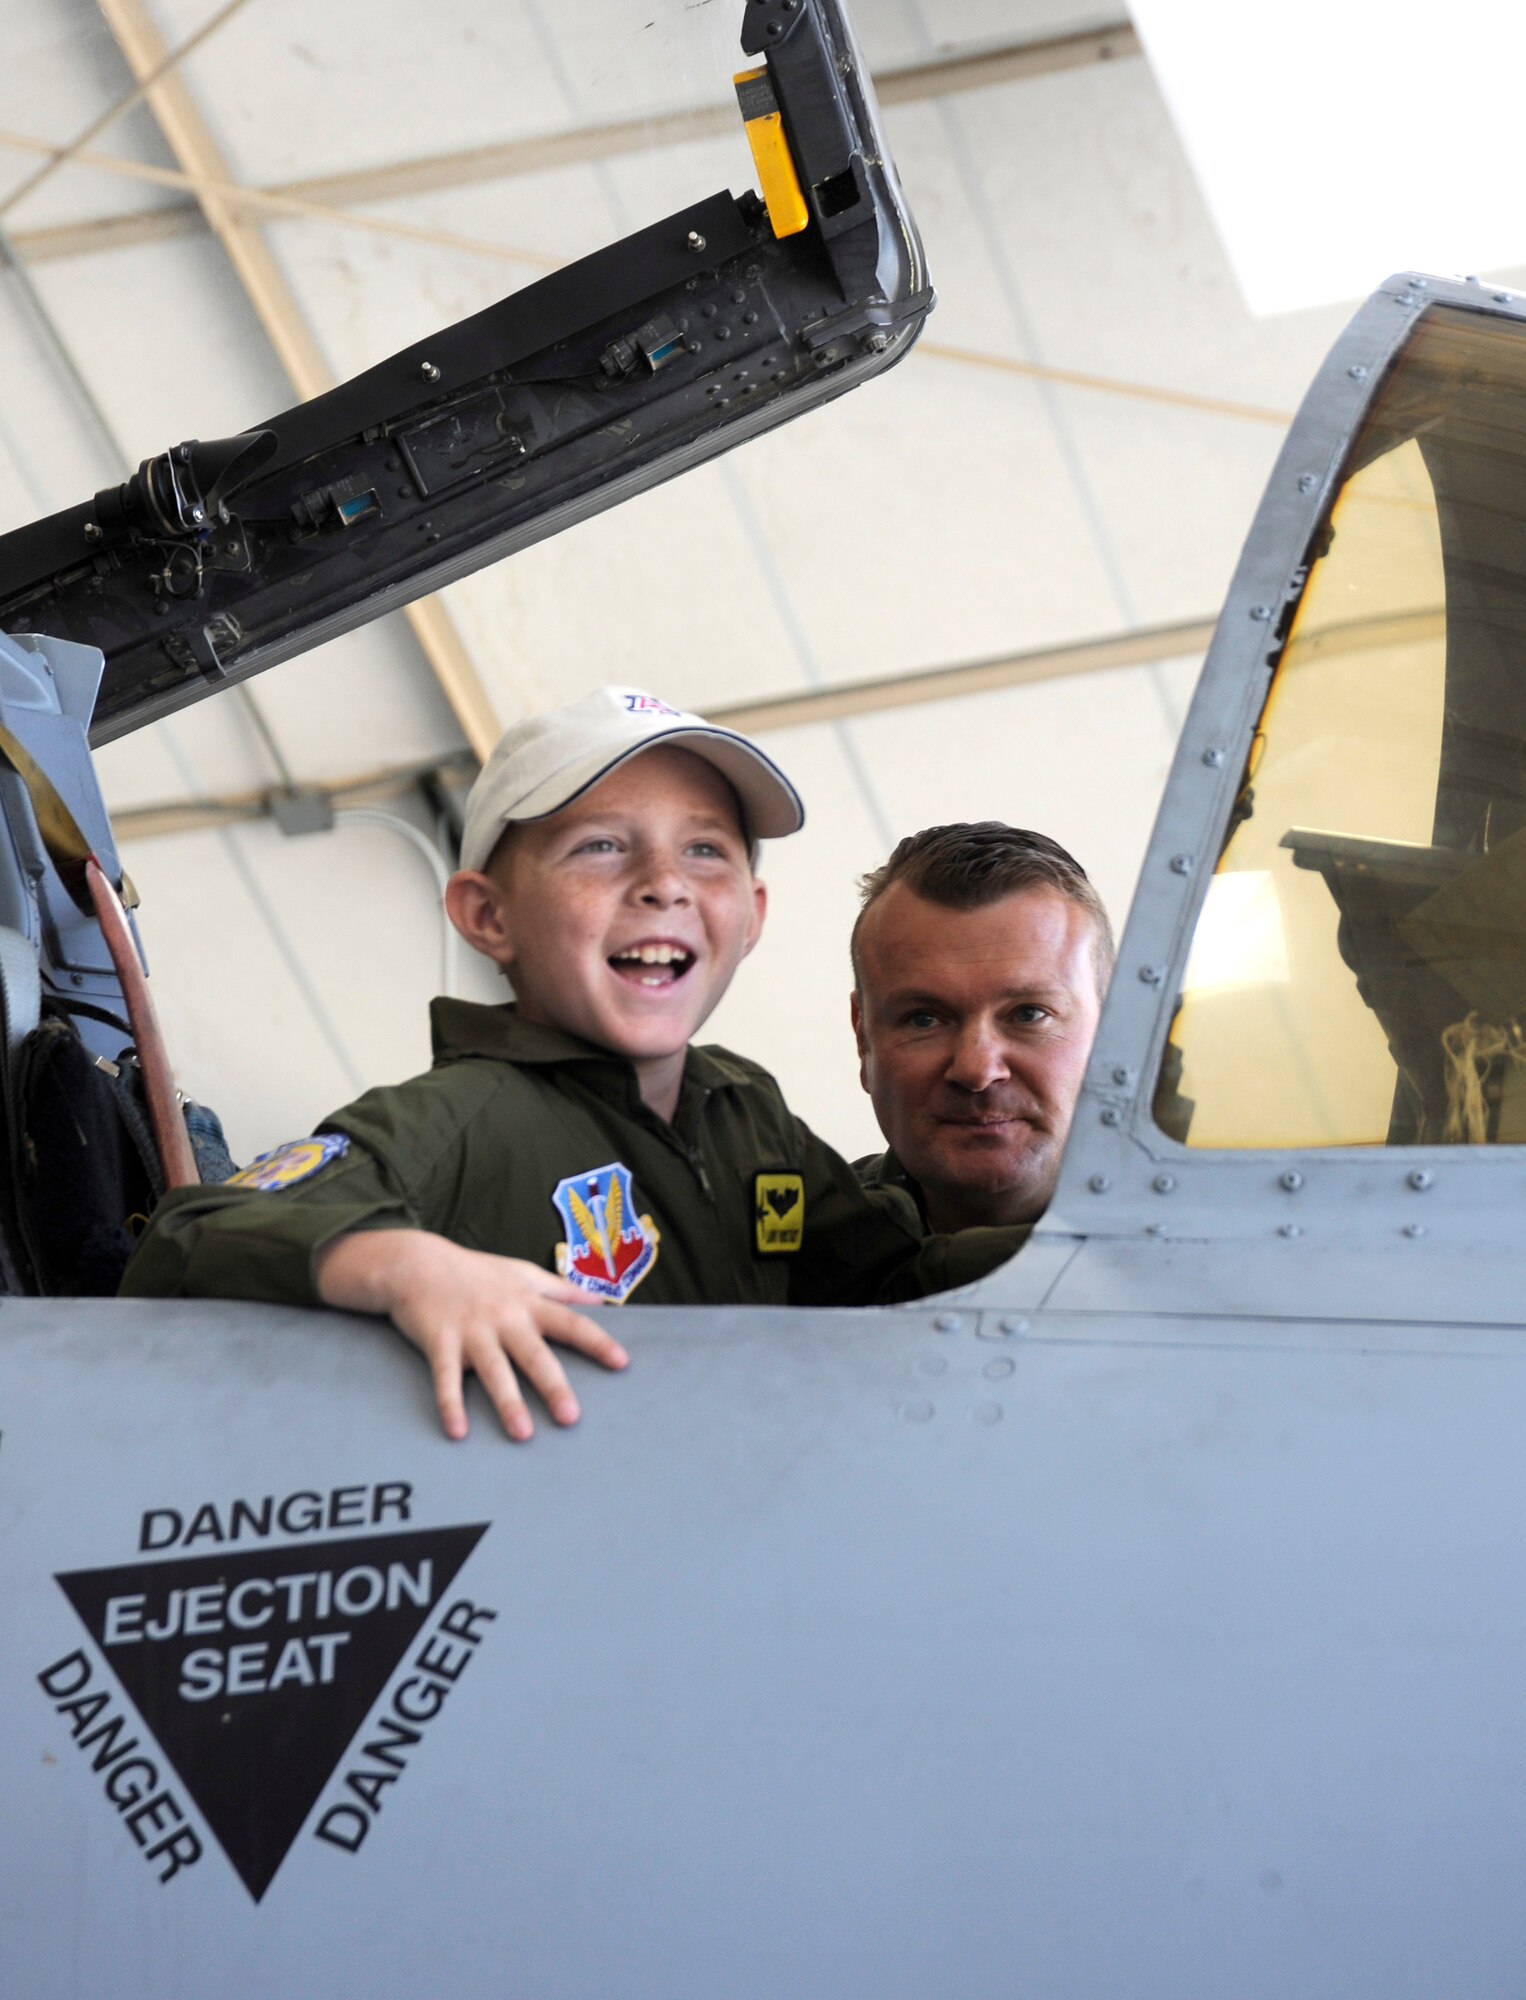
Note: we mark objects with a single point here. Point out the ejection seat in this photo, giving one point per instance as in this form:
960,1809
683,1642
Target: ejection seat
79,1153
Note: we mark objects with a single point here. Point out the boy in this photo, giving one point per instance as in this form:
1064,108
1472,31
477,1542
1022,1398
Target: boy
607,868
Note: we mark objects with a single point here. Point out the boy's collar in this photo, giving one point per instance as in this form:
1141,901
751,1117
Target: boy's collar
470,1028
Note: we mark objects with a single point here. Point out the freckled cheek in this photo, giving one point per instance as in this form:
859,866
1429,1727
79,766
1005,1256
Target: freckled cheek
724,922
586,932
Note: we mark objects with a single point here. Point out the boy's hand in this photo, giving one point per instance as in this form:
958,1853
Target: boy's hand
467,1309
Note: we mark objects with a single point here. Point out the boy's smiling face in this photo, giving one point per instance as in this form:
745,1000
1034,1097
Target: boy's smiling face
622,917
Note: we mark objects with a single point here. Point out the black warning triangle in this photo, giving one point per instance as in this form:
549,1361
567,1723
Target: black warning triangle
255,1670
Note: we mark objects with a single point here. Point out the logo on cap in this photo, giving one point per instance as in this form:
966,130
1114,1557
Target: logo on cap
648,704
609,1248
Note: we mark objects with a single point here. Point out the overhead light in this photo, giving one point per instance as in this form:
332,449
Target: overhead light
1336,142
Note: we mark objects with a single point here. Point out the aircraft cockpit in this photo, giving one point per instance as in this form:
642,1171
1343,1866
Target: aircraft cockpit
1357,976
1146,1618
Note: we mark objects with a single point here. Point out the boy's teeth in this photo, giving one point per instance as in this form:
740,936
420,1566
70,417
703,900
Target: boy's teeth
653,954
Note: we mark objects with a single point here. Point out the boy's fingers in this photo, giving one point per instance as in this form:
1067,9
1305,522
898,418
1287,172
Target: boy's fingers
550,1286
548,1375
498,1379
445,1368
573,1330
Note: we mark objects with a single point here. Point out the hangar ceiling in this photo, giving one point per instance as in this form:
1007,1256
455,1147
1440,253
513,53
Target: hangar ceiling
977,588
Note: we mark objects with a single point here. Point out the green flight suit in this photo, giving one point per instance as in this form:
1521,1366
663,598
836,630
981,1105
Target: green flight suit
476,1148
882,1170
981,1244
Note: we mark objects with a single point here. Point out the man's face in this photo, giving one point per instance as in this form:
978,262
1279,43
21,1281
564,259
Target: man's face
973,1028
626,913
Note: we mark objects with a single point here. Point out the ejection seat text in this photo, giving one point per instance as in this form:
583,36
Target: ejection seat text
300,1513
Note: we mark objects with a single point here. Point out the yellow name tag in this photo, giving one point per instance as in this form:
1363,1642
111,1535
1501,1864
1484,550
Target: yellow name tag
778,1206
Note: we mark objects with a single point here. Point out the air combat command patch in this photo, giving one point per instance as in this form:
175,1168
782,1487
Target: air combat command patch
778,1206
609,1248
298,1160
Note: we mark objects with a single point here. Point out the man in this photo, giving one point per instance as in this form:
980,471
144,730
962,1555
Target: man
980,958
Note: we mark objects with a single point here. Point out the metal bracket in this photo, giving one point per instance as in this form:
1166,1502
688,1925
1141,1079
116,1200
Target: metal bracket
872,325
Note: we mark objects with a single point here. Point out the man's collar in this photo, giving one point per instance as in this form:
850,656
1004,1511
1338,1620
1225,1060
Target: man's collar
468,1028
897,1176
885,1170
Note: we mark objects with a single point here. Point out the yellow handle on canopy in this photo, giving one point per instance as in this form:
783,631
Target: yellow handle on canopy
787,211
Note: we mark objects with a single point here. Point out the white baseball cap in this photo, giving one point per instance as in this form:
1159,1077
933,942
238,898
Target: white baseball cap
542,764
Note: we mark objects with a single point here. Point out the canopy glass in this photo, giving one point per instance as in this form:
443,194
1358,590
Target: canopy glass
1358,973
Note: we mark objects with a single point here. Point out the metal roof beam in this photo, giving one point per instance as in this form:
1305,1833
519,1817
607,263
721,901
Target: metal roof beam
834,703
59,155
846,699
243,200
916,84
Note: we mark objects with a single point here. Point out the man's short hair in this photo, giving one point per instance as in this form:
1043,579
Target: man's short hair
972,864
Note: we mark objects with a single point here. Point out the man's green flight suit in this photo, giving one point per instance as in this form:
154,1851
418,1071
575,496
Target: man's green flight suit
884,1170
735,1203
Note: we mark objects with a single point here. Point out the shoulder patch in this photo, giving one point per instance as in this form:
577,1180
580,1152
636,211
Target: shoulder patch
778,1208
297,1160
609,1249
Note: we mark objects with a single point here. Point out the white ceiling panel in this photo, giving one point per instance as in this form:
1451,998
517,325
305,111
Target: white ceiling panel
204,752
1082,760
167,341
940,25
81,189
61,71
355,705
295,90
56,457
927,518
1176,491
1097,224
972,310
665,592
